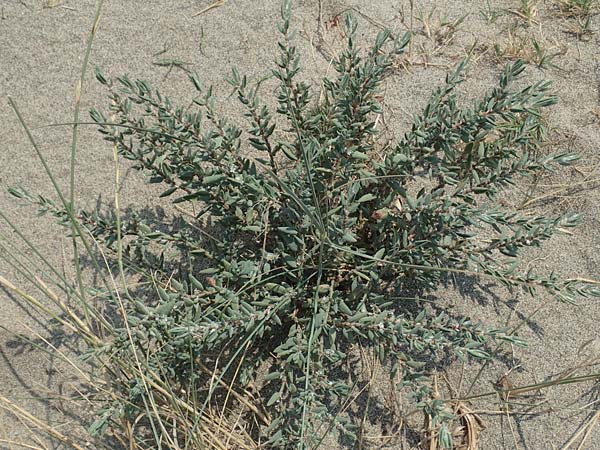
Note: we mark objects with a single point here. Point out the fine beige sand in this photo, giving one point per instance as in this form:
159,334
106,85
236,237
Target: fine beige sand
42,44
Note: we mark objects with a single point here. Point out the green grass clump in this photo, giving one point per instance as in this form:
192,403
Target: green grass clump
307,240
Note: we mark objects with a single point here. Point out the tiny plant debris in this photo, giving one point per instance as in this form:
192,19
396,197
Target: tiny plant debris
303,245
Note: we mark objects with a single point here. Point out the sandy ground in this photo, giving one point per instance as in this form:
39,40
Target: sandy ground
41,51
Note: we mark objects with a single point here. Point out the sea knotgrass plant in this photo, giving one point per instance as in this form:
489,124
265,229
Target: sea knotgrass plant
307,239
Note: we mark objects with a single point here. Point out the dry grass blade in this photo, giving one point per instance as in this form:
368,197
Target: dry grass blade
528,10
560,190
243,399
577,8
26,416
466,434
12,445
209,7
586,430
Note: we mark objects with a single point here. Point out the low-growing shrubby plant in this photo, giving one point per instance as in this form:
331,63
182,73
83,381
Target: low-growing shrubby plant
307,239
